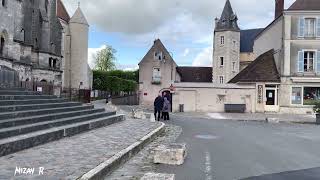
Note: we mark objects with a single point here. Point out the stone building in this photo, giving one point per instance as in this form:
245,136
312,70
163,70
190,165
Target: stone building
76,71
294,36
273,69
32,42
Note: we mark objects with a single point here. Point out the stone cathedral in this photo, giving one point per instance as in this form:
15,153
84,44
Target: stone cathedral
40,41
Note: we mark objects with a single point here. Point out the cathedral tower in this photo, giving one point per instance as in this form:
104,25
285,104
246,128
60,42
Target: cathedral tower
226,52
80,71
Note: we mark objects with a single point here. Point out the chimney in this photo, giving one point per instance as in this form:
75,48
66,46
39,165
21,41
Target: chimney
279,8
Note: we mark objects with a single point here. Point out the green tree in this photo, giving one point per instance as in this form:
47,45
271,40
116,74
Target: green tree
105,59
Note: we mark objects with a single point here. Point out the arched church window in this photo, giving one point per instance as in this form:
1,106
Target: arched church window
2,42
22,32
46,5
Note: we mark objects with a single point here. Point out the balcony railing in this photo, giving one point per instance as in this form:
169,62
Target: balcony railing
156,80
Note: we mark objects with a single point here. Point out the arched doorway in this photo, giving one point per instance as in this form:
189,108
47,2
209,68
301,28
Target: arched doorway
166,93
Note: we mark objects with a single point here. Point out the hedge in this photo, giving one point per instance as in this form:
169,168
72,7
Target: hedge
127,75
103,81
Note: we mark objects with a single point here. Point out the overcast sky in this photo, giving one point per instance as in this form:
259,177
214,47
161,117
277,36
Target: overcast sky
184,26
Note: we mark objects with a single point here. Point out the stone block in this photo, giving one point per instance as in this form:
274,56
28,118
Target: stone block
138,114
172,154
158,176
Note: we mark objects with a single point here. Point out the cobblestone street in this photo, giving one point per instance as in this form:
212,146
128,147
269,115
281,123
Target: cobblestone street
142,163
71,157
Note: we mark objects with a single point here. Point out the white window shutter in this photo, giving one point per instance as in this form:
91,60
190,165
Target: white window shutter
300,63
318,27
301,27
318,61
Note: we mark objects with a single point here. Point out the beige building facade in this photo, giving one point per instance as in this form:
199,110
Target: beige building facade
277,68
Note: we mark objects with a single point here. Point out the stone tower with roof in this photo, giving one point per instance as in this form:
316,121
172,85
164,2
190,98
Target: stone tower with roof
226,52
77,73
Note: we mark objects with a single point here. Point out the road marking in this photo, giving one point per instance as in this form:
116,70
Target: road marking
208,166
216,116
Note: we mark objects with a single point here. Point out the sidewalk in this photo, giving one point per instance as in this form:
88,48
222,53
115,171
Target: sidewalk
72,157
263,117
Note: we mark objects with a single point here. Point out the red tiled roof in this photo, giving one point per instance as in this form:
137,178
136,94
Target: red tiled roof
62,12
305,5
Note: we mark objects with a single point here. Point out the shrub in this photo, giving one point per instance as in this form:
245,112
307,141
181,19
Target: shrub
316,107
106,82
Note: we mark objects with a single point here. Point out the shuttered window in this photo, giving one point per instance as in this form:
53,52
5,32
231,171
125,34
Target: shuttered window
318,62
300,61
301,27
318,27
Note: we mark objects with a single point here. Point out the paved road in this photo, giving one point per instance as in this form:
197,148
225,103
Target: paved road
226,150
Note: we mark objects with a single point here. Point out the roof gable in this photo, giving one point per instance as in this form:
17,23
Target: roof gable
247,38
300,5
157,46
62,13
263,69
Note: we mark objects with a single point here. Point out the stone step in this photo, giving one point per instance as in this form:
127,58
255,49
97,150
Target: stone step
31,101
26,97
15,92
48,117
37,106
18,130
13,89
18,143
18,114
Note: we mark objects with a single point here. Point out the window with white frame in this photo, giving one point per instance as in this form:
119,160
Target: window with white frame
308,61
221,61
296,97
222,40
309,27
156,76
221,79
311,95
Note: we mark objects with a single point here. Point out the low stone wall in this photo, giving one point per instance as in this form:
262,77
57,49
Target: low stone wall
126,100
207,98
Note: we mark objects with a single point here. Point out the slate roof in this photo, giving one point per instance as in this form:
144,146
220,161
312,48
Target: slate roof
228,20
305,5
247,38
62,13
78,17
263,69
195,74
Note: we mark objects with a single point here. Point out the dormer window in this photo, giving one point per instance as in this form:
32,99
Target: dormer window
158,56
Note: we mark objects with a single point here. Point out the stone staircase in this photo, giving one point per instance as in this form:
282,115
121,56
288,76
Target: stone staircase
28,119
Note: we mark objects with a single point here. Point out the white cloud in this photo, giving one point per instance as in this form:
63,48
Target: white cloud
186,52
204,58
91,53
127,67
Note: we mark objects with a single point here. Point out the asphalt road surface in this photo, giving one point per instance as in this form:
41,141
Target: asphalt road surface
227,150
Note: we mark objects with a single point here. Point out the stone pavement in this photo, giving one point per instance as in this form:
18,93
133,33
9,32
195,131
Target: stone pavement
263,116
71,157
142,163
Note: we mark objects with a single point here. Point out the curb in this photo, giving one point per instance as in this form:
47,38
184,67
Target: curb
121,157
